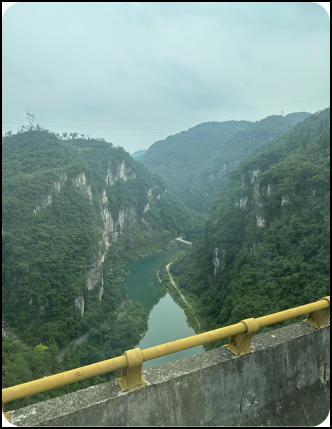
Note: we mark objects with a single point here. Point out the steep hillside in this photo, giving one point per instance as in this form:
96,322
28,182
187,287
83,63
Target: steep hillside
64,203
196,163
179,158
266,243
74,213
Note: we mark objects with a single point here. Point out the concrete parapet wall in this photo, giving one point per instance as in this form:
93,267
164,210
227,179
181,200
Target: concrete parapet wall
284,382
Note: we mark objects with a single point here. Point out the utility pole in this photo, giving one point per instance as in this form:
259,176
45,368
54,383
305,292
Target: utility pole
31,119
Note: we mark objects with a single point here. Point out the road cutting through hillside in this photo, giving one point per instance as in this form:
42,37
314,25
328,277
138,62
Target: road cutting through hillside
183,241
184,299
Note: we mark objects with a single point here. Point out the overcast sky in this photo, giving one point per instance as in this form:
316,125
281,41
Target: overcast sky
134,73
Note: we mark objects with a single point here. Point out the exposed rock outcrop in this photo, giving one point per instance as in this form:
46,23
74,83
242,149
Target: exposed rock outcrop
121,172
79,304
115,221
223,170
114,225
242,202
80,183
286,198
62,181
260,221
94,274
218,260
46,202
253,174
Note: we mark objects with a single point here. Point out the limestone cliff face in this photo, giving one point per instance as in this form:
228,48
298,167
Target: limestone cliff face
58,185
113,227
223,170
94,274
126,215
242,202
120,171
218,260
80,182
115,221
250,180
151,197
43,204
260,194
79,304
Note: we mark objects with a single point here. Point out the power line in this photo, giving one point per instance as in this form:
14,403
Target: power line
189,115
225,111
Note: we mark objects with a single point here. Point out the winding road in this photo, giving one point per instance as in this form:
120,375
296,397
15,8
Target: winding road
183,241
184,299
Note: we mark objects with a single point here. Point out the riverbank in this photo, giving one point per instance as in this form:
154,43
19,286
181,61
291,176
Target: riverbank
134,255
183,298
166,281
167,320
122,328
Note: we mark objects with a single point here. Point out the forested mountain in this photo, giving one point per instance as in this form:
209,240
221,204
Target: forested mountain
196,163
266,245
74,212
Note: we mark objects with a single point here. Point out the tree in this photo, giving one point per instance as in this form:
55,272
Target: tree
40,348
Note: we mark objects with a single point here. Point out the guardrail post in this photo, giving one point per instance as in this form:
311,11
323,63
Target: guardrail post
240,344
320,318
131,376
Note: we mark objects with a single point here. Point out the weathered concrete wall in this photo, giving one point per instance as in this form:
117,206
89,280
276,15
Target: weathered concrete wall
285,382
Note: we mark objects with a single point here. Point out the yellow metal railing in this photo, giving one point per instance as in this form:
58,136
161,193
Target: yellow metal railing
131,362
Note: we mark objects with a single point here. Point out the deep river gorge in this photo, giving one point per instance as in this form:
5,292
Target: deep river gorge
167,321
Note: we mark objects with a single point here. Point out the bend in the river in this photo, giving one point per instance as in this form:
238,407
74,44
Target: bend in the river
167,321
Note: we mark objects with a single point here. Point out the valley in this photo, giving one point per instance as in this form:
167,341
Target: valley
196,163
89,233
75,213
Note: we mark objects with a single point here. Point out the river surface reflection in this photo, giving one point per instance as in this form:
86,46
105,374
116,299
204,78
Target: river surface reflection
167,321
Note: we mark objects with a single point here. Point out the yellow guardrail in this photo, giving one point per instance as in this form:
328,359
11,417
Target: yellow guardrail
131,362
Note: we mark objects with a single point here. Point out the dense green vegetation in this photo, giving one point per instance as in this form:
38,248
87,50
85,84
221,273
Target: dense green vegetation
266,245
196,163
55,191
264,248
22,363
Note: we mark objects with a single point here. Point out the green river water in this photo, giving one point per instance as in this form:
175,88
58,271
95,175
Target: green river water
167,321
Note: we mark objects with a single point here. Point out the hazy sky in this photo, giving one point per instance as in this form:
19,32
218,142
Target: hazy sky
134,73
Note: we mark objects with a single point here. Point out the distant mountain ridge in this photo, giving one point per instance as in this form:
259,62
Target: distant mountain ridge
138,154
196,163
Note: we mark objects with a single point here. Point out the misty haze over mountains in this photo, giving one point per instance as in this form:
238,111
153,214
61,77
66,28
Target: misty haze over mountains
158,129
